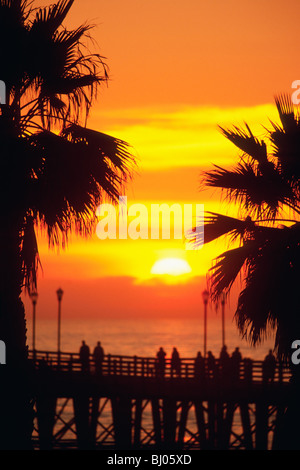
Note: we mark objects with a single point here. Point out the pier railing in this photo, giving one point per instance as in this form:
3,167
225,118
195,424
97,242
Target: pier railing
149,367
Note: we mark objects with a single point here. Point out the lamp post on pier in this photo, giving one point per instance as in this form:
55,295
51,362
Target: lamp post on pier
223,300
59,294
205,297
34,297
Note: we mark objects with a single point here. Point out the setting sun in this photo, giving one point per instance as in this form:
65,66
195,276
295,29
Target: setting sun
171,266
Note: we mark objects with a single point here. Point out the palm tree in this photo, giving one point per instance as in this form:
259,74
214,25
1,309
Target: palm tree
54,171
265,185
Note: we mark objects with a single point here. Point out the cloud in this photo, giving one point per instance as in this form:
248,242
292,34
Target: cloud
169,137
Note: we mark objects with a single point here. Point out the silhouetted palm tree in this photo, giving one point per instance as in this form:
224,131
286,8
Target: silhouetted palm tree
265,185
54,171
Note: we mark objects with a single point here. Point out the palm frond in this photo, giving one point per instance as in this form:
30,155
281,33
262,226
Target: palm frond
79,169
21,8
286,143
58,68
49,18
226,268
13,40
29,255
218,225
286,113
107,147
247,142
270,297
257,190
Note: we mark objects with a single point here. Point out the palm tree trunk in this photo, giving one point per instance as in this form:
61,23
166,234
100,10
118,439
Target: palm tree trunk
15,389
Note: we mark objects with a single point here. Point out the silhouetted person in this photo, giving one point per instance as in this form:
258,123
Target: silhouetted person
236,359
211,364
84,355
224,356
161,362
269,366
175,362
224,362
199,367
98,357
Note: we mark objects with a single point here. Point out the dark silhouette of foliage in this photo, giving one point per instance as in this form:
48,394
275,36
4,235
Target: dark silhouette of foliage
265,185
54,170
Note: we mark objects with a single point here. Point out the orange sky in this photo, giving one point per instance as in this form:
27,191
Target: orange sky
177,70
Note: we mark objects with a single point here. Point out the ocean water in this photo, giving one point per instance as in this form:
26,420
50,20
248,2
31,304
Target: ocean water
143,337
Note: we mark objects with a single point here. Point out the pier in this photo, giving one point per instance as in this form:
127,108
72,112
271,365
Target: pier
130,403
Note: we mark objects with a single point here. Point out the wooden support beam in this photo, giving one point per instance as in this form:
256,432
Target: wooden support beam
278,431
245,417
261,430
137,422
230,409
46,408
81,404
156,422
211,425
121,407
199,411
169,422
220,424
94,419
185,406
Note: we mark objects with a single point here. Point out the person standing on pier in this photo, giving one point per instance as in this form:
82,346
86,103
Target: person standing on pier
224,364
236,359
211,365
269,367
98,358
161,362
175,363
84,355
199,367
